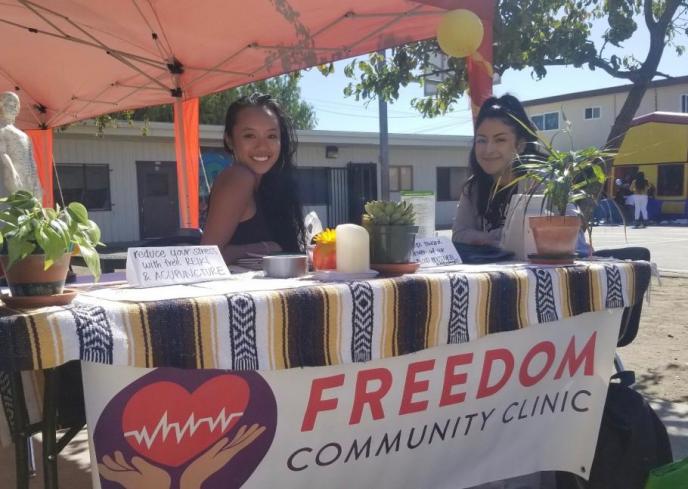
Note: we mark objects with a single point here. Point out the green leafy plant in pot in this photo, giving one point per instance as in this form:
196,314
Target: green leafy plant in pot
38,242
392,231
569,181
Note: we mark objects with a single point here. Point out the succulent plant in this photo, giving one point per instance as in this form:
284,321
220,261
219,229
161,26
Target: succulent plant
390,213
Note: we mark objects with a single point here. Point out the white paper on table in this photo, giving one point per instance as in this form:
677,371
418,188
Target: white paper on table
435,251
253,284
157,266
131,294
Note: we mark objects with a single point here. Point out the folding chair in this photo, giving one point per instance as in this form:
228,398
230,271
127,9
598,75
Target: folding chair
63,412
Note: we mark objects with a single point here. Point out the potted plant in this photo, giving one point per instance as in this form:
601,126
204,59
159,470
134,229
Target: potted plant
570,183
392,231
37,243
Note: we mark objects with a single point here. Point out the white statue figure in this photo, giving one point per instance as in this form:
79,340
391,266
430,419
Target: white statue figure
17,168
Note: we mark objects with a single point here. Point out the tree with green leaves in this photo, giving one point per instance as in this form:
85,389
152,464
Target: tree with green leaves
212,107
537,34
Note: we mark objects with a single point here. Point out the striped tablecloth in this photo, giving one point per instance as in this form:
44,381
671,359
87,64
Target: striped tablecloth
314,325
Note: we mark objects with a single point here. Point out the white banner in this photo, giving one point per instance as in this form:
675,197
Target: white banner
448,417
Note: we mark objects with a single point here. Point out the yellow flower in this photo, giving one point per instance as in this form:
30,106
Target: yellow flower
326,237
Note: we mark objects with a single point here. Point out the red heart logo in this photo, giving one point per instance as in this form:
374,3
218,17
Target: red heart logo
167,424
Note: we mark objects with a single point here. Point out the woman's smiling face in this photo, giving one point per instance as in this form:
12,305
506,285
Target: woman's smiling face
496,146
255,139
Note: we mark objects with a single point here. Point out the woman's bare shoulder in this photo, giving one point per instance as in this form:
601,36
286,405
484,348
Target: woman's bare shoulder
235,173
235,178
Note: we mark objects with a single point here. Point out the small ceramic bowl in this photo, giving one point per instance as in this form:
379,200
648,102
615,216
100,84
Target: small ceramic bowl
285,266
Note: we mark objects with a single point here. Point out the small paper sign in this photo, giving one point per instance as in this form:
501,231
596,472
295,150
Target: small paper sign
169,265
424,208
435,252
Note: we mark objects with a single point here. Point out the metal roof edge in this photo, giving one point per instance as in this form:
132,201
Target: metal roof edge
165,130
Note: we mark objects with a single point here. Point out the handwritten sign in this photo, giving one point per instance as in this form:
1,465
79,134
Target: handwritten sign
435,252
169,265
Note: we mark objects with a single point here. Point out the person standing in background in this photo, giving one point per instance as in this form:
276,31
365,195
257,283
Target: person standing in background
639,187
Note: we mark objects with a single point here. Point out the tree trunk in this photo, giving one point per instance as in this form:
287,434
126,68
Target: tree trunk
626,114
658,32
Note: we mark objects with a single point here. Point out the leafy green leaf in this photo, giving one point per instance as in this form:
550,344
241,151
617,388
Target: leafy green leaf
91,258
26,227
17,250
78,212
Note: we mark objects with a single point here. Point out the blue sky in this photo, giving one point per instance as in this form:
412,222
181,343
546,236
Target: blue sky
338,113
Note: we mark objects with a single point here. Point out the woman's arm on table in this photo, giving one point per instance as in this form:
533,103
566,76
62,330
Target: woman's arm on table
232,200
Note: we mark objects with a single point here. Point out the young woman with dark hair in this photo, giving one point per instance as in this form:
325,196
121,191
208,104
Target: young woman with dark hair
502,132
254,205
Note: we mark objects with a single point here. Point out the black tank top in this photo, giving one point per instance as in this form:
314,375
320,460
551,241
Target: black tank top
253,230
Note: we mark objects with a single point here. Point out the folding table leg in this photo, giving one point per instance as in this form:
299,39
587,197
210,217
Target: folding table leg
18,418
21,463
49,430
31,466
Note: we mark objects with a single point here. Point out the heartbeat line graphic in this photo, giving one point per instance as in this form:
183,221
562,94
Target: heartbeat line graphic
164,428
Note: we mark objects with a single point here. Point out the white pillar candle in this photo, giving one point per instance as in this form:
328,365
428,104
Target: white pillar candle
353,249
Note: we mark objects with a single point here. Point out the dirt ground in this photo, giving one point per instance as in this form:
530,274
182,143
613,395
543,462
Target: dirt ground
659,354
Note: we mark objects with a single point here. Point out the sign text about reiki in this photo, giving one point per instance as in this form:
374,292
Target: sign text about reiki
435,252
154,266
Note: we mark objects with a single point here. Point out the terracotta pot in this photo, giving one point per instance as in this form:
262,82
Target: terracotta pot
27,277
555,235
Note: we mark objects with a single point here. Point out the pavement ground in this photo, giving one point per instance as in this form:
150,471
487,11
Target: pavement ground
668,245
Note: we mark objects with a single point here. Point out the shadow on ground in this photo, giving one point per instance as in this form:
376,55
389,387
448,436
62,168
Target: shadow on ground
674,415
654,376
74,471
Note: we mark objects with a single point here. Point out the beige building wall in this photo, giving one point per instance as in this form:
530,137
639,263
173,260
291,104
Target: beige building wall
594,132
120,148
121,223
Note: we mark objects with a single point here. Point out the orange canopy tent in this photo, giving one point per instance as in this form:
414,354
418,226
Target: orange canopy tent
70,60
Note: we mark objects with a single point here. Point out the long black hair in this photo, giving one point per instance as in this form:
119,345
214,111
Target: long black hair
640,183
278,193
507,109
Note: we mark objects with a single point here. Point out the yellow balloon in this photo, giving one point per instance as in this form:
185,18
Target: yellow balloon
460,33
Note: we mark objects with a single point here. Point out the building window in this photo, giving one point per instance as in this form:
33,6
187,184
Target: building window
670,180
313,185
546,122
88,184
450,182
684,103
592,113
400,178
